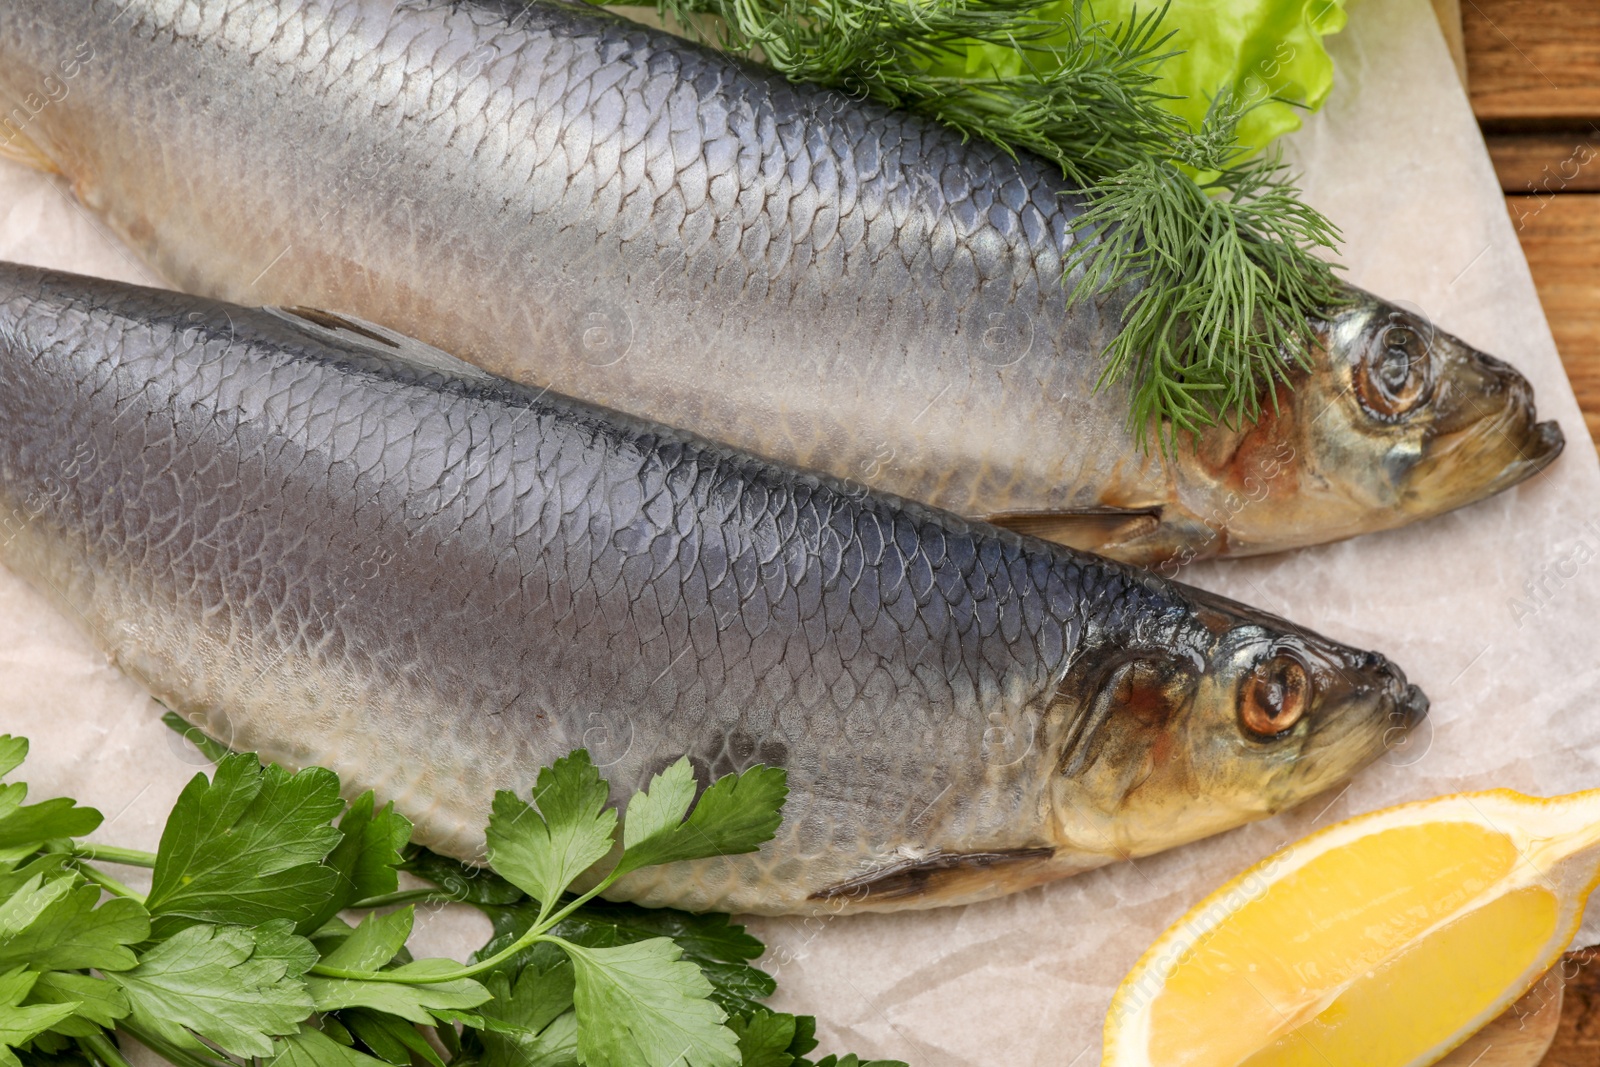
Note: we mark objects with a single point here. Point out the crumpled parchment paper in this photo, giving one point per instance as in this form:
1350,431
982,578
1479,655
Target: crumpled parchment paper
1494,611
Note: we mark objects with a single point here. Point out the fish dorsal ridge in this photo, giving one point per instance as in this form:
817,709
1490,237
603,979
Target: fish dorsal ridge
377,340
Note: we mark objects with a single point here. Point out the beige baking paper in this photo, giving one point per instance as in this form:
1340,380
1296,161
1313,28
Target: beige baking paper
1494,610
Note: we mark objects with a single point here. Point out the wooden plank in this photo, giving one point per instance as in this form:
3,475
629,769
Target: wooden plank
1577,1042
1533,63
1545,163
1561,237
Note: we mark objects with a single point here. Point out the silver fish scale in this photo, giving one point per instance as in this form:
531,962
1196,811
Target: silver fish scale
668,217
572,200
435,586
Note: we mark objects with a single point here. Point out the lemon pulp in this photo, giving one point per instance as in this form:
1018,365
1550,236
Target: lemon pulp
1413,1002
1265,972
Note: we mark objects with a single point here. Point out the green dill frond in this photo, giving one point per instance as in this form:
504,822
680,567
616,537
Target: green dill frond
1225,282
1082,93
1214,248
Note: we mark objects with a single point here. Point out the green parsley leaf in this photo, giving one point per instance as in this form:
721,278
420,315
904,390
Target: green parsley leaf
720,948
52,924
312,1048
333,1028
708,938
543,850
642,1005
374,943
764,1038
660,807
365,858
98,1003
554,1046
468,884
18,1024
390,1039
49,1049
604,986
48,866
24,829
209,747
736,814
773,1039
276,941
805,1039
244,847
13,750
533,1024
414,1002
236,987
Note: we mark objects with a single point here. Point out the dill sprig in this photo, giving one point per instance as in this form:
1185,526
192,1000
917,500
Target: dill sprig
1215,247
1224,282
1085,95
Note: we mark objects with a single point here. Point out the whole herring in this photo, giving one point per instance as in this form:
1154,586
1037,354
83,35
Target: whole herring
334,545
579,202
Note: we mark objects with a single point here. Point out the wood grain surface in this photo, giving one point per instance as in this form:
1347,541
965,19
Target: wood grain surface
1561,237
1533,75
1532,63
1547,162
1577,1042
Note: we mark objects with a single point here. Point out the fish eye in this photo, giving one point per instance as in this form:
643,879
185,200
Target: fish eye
1395,369
1393,380
1274,696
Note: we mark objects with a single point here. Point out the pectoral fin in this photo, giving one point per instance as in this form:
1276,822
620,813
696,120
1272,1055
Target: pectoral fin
17,146
945,877
1088,529
378,340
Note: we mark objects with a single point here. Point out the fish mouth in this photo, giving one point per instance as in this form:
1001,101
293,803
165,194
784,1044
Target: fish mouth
1473,453
1413,706
1373,715
1543,444
1402,743
1408,704
1483,460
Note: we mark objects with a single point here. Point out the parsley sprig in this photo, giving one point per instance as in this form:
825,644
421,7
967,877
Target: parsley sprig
240,952
1216,248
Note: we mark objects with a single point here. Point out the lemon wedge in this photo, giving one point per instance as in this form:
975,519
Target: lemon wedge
1383,941
1521,1035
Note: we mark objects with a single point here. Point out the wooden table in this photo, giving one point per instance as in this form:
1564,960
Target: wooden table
1533,72
1577,1042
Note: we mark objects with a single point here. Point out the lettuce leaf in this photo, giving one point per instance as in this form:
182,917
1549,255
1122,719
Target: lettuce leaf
1258,49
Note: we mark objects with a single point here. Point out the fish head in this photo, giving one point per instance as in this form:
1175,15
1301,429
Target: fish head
1239,717
1393,421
